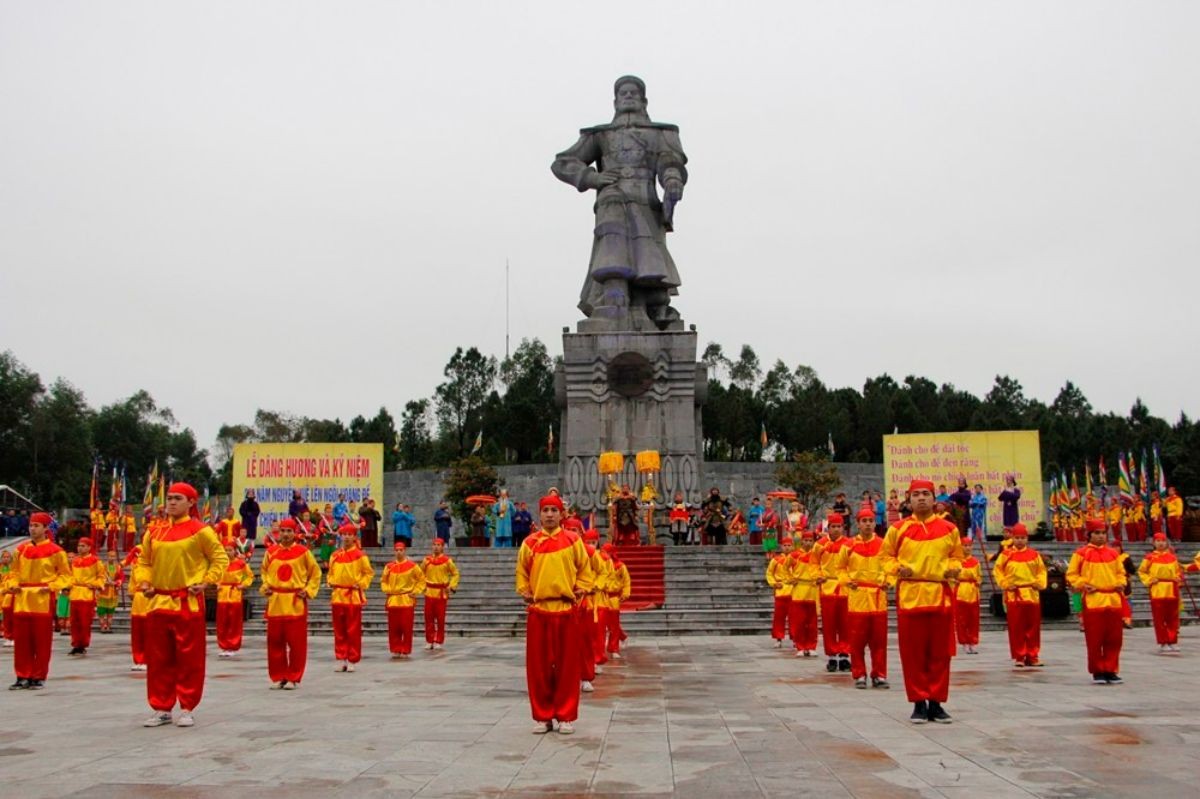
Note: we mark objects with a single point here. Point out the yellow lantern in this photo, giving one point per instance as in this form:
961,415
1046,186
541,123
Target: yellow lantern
611,463
648,461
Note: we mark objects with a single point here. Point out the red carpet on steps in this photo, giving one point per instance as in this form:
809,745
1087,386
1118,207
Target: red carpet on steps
647,576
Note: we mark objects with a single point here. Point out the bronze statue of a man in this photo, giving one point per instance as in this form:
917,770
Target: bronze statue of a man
631,271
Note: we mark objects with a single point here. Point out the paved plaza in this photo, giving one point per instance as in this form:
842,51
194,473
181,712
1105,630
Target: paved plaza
683,716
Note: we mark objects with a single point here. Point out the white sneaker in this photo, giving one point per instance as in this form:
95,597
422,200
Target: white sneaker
8,642
138,667
779,644
586,686
157,720
566,728
542,727
437,646
800,654
615,655
340,665
599,669
349,667
429,646
185,720
1172,647
222,654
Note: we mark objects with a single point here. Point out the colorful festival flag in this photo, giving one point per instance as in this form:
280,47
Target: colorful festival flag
1124,479
478,442
550,441
1087,478
94,493
1101,472
1158,470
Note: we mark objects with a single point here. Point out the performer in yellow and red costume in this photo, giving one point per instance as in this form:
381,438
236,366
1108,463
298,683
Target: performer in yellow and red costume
401,583
38,569
862,567
778,579
1096,571
924,555
1021,574
88,575
349,577
1161,574
175,565
834,599
803,578
231,614
441,580
553,574
966,599
290,578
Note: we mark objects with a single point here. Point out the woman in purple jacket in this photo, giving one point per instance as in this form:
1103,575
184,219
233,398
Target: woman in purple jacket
1009,498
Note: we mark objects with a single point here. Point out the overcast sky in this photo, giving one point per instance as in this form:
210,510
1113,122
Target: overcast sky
306,206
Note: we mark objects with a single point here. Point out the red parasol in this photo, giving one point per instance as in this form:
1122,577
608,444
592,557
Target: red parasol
480,499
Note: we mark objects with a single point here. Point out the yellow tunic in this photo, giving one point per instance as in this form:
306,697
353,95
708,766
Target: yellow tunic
441,576
237,578
1174,506
1115,514
1160,573
401,583
778,576
175,557
1099,567
829,556
34,568
290,576
350,575
969,579
552,567
88,575
617,587
862,563
802,574
1021,573
929,549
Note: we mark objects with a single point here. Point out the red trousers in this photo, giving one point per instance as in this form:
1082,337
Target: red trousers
834,610
803,625
600,633
867,630
779,621
435,620
612,625
347,632
1024,629
926,643
6,624
98,537
33,635
229,626
1165,613
287,647
1103,631
1156,525
1175,528
966,622
82,614
137,639
126,541
587,643
400,629
552,664
175,650
1135,531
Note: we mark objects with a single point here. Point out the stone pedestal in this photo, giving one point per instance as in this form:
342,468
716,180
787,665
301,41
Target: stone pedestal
627,392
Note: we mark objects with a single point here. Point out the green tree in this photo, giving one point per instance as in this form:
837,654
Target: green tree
60,460
469,378
527,408
20,392
467,476
811,476
379,429
415,440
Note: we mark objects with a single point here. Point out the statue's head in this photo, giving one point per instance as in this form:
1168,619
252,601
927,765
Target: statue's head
629,94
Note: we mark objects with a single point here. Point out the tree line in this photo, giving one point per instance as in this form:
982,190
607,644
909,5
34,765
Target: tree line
50,437
801,414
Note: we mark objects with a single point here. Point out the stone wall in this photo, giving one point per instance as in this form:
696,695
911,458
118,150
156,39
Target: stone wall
740,481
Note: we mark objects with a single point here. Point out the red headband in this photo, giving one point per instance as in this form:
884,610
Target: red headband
400,545
441,541
834,518
787,542
347,529
1159,537
591,535
287,524
865,514
1018,529
917,485
1095,526
185,489
551,500
85,540
40,518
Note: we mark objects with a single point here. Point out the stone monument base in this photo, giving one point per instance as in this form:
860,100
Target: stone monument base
629,391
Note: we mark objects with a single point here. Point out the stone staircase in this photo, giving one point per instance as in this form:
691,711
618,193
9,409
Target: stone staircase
708,590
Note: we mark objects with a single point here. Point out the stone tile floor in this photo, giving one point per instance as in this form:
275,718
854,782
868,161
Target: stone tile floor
687,716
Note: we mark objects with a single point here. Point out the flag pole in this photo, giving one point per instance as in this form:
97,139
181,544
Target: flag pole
506,309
